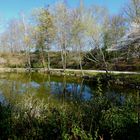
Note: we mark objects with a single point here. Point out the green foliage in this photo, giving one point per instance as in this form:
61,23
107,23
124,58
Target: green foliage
5,121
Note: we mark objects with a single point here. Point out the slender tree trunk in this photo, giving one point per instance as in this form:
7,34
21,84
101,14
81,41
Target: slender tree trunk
104,61
28,57
48,61
43,58
103,57
62,59
80,59
48,57
29,60
11,48
26,42
80,62
128,53
65,60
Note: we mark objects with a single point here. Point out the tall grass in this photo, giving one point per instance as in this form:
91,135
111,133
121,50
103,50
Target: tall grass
99,118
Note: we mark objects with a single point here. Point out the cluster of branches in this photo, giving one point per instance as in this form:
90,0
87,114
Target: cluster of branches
63,29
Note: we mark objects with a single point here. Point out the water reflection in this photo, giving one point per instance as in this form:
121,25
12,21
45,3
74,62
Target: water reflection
64,88
61,87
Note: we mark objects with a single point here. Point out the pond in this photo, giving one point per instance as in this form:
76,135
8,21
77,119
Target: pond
105,108
41,85
70,88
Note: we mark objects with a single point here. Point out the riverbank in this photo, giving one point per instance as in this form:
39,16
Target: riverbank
71,72
121,78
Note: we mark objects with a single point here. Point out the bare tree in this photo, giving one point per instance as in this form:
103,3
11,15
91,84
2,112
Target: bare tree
27,38
95,28
132,11
62,24
78,32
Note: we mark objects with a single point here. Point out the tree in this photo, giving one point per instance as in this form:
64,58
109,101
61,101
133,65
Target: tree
45,33
114,30
62,23
27,32
132,11
78,32
95,28
13,36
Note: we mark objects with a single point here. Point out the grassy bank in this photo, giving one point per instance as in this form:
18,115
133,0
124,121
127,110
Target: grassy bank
19,60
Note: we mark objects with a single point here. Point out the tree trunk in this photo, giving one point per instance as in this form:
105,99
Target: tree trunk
62,59
104,61
48,61
80,63
29,60
80,59
106,67
65,59
43,58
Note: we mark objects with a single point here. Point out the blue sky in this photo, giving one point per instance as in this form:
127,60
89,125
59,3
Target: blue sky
11,8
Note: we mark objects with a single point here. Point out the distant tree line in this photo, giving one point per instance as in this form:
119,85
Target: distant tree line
85,32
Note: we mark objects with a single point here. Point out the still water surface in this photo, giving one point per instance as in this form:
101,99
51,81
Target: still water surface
66,88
